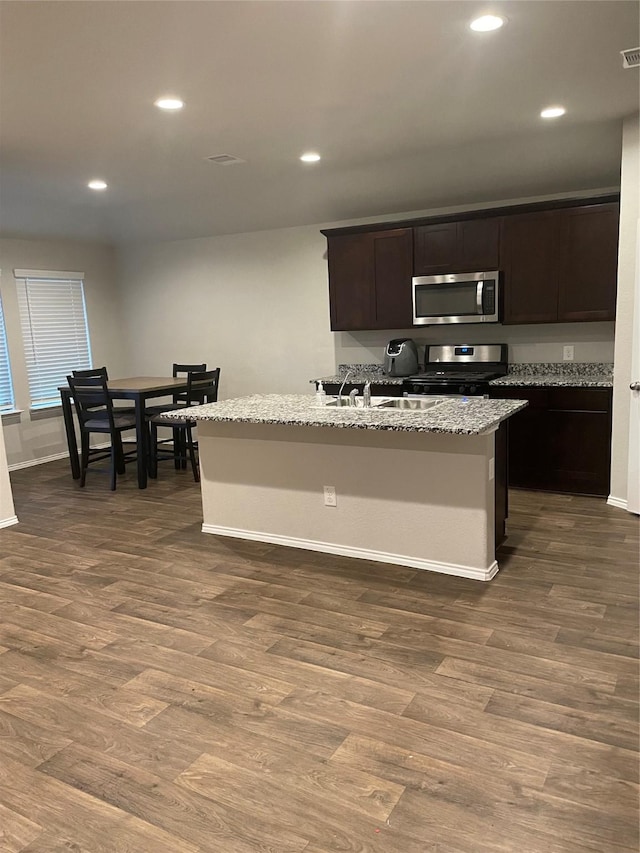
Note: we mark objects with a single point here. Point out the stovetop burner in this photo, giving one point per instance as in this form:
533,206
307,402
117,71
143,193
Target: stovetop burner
455,376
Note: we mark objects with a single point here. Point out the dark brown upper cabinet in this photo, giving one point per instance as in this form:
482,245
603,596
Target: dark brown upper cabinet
470,245
588,263
530,283
560,265
558,261
370,280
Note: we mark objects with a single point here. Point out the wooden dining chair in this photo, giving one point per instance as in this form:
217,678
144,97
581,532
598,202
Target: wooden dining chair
202,387
96,414
179,399
102,371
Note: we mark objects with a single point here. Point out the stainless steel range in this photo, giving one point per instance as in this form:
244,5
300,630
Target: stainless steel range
458,370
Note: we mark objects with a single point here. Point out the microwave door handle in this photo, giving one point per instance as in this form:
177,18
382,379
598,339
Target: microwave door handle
479,299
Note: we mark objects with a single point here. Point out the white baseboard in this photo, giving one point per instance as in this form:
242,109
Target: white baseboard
357,553
618,502
7,522
44,459
31,462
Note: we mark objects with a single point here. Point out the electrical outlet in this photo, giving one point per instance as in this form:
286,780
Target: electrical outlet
330,496
567,353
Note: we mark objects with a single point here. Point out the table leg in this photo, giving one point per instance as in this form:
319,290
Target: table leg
72,444
141,442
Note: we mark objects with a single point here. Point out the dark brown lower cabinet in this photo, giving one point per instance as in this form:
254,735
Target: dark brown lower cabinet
562,441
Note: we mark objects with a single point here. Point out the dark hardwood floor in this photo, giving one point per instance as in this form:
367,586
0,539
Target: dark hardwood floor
163,690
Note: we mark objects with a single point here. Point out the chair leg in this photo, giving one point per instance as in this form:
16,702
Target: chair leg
177,449
114,463
153,452
192,454
119,453
84,457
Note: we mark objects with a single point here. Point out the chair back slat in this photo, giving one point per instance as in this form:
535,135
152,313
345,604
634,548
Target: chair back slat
185,370
91,397
203,386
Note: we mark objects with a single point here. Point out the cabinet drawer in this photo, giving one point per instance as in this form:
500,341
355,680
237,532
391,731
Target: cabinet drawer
580,399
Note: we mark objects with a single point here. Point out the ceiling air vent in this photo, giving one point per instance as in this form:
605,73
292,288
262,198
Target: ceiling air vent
631,57
225,159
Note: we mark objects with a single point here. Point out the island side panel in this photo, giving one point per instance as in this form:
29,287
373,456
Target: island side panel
413,498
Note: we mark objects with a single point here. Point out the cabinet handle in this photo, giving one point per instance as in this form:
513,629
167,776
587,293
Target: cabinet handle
635,386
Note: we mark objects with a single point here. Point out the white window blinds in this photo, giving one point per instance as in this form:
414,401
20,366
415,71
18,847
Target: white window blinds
6,389
54,330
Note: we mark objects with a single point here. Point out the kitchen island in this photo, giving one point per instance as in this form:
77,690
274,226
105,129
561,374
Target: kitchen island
417,488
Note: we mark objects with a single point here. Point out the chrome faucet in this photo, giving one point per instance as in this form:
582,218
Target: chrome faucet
344,382
352,397
366,394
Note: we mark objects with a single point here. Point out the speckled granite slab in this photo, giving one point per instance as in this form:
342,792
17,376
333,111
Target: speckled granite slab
558,374
454,416
361,373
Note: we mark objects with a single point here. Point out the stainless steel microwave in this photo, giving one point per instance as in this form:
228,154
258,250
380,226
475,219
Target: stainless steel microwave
458,298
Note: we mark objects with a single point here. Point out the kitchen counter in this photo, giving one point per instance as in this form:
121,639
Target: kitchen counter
421,489
545,375
472,416
557,375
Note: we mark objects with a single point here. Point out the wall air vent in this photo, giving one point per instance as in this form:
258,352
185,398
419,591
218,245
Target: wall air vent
225,159
631,57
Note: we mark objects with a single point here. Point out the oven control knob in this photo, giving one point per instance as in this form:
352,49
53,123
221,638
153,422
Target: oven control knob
472,389
461,389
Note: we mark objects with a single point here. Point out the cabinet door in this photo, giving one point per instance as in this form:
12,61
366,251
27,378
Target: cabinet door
392,266
351,293
588,263
529,258
579,437
528,438
434,248
478,248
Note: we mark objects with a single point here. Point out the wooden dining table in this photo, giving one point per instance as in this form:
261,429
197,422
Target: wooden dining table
139,389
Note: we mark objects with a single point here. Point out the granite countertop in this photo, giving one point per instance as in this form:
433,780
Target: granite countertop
558,375
453,416
544,375
361,373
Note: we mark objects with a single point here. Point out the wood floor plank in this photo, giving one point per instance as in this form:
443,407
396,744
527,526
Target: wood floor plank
375,688
162,690
16,831
589,725
88,822
184,814
526,735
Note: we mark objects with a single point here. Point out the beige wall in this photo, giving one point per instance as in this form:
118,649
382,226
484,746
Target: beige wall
627,293
31,438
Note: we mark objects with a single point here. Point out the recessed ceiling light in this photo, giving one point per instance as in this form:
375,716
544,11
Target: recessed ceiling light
97,185
486,23
169,103
552,112
310,157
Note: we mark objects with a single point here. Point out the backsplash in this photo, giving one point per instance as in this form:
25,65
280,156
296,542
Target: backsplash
592,342
562,368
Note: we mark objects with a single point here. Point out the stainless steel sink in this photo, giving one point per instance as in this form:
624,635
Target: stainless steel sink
403,403
407,403
345,403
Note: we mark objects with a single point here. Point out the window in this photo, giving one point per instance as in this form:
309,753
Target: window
6,389
54,330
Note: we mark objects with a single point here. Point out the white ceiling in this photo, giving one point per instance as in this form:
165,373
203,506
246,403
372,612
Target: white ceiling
409,109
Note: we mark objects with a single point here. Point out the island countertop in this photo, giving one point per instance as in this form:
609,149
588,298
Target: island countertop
472,416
